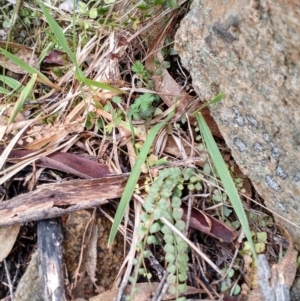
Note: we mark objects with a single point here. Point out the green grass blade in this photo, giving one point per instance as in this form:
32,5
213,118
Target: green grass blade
226,179
41,77
133,178
90,82
11,82
4,91
218,98
19,62
22,98
58,33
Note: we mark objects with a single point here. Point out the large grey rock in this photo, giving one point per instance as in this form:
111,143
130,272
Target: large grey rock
250,50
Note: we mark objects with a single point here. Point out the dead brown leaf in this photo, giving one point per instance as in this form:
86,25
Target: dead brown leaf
210,225
287,266
29,287
8,237
169,90
56,57
69,163
144,292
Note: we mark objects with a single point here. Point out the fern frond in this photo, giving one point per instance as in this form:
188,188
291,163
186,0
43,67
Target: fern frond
134,112
143,101
141,104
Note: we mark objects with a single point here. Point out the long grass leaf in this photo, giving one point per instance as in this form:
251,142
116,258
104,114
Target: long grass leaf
90,82
22,98
218,98
41,77
226,179
4,91
133,178
19,62
11,82
59,34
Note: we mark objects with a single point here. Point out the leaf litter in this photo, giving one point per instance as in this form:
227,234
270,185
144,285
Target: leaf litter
59,137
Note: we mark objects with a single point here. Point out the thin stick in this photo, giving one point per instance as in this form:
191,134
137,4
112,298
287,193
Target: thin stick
175,230
10,285
160,288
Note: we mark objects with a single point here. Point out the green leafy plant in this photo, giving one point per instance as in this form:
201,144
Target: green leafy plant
260,239
162,217
164,202
142,106
142,74
227,282
139,69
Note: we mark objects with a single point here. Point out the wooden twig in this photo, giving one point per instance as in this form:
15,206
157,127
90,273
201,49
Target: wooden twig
10,285
50,240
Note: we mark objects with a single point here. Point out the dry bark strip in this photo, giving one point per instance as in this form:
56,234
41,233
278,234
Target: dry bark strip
53,200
